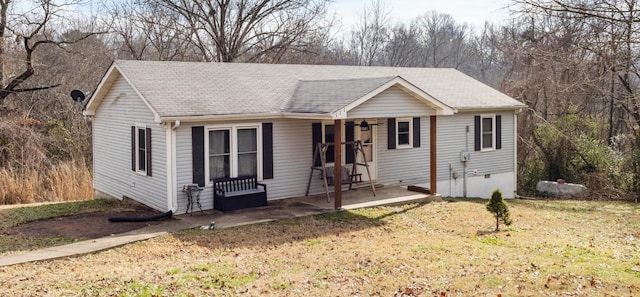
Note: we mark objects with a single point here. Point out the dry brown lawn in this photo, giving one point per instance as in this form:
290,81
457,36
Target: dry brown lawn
554,248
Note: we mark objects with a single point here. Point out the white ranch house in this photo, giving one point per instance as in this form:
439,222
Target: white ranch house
160,125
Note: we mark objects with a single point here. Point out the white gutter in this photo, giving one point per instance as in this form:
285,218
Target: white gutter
244,117
492,109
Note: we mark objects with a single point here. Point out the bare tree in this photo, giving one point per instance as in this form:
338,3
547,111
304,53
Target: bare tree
247,30
608,40
370,35
488,63
31,31
149,31
403,46
444,41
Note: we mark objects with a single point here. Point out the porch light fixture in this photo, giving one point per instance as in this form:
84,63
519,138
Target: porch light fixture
364,126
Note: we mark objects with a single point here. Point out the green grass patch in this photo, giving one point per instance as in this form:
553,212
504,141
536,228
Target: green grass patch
140,289
312,242
491,240
202,267
16,216
279,285
226,280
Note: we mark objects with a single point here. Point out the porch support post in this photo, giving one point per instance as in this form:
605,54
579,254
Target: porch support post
337,167
432,157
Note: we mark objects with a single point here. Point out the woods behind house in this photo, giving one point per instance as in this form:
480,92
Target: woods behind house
574,63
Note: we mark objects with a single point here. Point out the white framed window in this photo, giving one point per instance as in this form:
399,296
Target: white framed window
232,151
404,133
141,149
487,132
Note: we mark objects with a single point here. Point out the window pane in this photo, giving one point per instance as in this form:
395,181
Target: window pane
248,164
142,155
487,133
218,142
403,127
367,145
219,156
487,141
328,133
403,138
487,124
219,167
368,151
247,140
142,160
329,136
142,138
365,136
403,133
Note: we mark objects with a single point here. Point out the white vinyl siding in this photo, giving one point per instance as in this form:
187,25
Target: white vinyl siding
392,102
456,134
113,175
400,166
293,156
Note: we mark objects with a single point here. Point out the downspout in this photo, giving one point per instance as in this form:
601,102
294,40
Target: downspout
171,165
464,164
464,179
515,154
450,178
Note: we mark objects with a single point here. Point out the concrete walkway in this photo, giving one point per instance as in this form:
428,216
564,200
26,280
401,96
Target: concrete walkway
276,210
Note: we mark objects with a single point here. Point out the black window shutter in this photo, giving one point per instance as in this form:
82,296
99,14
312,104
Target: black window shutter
148,140
316,137
476,134
391,133
498,132
197,155
349,135
416,132
133,148
267,150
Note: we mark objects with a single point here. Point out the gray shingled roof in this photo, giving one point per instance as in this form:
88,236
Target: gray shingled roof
183,89
325,96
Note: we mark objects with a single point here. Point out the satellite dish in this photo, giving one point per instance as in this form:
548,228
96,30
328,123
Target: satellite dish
77,95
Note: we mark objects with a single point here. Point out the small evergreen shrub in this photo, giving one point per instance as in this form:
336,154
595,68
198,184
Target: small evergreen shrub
499,209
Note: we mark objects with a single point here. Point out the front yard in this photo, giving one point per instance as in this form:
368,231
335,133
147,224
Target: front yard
553,248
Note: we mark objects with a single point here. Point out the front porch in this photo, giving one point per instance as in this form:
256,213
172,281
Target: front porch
363,197
307,205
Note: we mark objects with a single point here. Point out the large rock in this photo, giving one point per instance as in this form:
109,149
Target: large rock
555,189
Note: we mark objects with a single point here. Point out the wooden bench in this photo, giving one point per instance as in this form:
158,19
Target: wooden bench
238,193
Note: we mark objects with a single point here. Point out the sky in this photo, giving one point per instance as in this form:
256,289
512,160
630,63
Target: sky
473,12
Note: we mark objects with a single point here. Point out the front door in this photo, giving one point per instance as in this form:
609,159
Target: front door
368,139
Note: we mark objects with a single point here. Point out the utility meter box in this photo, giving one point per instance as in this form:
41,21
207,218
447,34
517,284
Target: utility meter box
465,156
